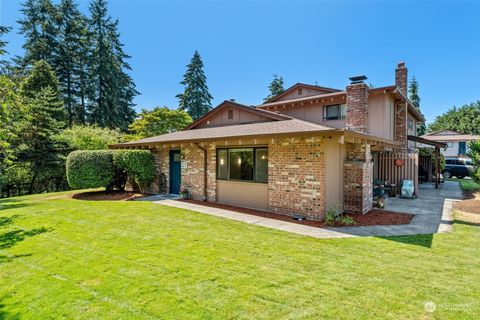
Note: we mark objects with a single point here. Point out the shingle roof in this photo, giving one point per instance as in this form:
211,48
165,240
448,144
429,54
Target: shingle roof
451,137
291,126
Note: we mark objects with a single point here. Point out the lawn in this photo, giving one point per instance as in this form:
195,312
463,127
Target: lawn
467,184
66,258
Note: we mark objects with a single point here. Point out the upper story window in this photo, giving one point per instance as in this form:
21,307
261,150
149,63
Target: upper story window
230,114
300,91
410,126
334,112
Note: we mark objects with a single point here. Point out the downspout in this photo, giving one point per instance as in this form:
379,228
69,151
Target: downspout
204,171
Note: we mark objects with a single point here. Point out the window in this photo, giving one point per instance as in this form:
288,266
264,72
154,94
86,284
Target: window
450,144
230,114
410,125
338,111
300,91
243,164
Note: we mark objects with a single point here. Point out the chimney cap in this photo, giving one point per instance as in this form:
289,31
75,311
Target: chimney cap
358,79
232,100
401,64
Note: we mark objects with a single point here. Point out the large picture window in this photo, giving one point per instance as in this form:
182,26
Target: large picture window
243,164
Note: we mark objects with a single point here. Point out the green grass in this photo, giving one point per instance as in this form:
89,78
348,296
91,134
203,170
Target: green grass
467,184
68,259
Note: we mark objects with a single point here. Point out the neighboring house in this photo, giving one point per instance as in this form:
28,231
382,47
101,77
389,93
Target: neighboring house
305,151
457,142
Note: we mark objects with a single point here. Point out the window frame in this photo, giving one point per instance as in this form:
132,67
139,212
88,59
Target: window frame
228,165
339,108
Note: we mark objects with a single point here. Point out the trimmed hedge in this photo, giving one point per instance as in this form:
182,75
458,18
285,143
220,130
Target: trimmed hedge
139,165
109,168
90,169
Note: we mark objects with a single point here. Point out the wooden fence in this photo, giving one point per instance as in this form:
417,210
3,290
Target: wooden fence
386,168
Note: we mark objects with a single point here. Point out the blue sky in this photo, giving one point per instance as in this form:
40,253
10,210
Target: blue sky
244,43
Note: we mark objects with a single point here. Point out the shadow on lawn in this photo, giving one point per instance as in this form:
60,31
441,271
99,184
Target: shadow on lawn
7,204
467,223
6,314
424,240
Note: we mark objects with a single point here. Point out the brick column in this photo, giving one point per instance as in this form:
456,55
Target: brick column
358,179
357,107
401,81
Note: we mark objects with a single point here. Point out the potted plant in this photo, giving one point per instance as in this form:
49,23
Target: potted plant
184,193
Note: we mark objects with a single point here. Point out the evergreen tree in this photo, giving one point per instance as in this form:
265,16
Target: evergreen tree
39,27
415,98
465,119
111,98
68,60
3,43
44,119
275,87
195,99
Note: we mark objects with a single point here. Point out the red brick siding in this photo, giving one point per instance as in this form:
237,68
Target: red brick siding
358,179
357,107
296,177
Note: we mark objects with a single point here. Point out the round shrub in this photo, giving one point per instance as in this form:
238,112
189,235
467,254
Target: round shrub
90,169
138,164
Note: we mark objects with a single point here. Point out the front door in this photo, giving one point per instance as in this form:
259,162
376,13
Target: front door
175,171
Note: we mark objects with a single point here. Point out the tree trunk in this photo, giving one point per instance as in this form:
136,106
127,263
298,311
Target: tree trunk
32,183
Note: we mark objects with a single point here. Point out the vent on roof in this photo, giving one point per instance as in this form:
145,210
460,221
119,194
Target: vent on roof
357,79
233,100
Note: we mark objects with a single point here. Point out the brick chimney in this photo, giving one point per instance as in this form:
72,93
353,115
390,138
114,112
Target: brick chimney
357,105
401,77
401,81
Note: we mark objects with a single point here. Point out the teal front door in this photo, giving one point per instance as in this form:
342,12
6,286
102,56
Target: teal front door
175,171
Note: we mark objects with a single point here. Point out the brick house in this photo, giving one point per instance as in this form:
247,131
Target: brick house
302,152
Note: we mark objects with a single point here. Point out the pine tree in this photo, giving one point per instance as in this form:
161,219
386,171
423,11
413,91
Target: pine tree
45,118
111,98
39,27
415,98
3,63
68,60
196,99
275,87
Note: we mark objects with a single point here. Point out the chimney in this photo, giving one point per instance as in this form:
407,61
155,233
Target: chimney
401,77
357,104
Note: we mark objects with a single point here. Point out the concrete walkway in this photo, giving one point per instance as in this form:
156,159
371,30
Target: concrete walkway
433,214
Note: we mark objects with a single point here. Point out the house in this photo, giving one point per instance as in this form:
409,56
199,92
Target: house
456,141
305,151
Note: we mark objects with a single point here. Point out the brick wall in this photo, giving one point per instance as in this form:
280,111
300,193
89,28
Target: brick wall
358,179
296,177
401,81
193,171
401,77
357,107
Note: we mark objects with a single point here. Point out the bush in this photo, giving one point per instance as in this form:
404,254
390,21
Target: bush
474,153
109,168
138,164
90,169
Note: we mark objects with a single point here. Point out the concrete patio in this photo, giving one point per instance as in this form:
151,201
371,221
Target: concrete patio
433,214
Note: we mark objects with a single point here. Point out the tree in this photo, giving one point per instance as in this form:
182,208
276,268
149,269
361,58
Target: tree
39,27
415,98
3,64
113,92
44,119
465,119
195,99
474,153
275,87
159,121
68,60
89,137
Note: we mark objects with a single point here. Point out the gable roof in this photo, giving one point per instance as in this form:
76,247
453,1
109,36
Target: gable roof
301,85
455,132
231,104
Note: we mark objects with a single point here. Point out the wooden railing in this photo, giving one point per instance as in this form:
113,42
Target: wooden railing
396,167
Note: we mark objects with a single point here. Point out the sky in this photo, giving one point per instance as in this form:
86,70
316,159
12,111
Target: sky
243,44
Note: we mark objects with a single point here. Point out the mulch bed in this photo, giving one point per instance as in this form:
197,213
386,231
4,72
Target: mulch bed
107,195
374,217
470,205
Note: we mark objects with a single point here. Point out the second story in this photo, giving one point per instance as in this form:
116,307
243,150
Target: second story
384,111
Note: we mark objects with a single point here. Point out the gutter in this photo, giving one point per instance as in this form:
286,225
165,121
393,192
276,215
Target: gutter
204,170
